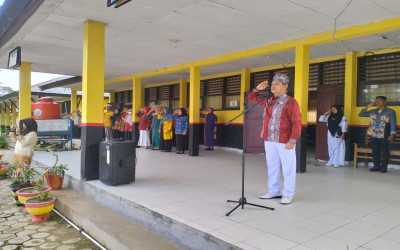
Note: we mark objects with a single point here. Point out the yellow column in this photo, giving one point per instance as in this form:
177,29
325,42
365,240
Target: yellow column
301,80
136,97
244,86
2,117
93,73
7,116
350,85
74,100
194,105
14,114
25,91
111,98
182,94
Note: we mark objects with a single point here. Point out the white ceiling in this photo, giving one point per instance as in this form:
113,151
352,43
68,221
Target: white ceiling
139,34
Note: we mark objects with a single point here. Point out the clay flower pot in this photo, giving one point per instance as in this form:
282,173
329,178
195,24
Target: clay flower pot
54,181
40,209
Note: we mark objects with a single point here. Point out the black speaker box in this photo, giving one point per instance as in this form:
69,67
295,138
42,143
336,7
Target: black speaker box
117,160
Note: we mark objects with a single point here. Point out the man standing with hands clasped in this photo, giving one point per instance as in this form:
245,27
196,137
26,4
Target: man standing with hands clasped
281,129
382,129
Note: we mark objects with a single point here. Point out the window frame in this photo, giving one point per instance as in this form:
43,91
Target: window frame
392,59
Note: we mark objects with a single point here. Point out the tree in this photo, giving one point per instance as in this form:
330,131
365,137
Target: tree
5,90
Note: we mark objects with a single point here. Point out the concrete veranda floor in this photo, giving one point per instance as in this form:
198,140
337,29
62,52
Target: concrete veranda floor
334,208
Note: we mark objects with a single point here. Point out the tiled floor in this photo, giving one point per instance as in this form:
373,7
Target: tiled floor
334,208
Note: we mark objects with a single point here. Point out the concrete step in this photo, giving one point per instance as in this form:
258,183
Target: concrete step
174,231
107,227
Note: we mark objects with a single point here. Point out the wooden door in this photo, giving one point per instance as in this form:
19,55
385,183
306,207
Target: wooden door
326,97
254,122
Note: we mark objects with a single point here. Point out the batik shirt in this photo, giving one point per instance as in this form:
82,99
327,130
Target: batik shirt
379,121
282,119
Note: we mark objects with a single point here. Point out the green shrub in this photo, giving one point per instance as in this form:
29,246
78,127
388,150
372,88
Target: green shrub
3,141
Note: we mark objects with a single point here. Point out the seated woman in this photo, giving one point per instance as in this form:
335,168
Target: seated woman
25,136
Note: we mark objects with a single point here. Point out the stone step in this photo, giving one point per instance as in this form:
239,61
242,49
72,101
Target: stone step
180,234
107,227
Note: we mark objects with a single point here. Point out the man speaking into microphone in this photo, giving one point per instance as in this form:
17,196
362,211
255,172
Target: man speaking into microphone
281,129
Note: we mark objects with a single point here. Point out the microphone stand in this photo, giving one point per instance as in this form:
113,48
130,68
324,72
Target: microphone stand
242,200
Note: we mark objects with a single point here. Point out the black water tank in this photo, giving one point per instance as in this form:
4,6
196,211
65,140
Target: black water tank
117,162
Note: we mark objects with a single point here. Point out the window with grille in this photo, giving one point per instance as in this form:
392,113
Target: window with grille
166,96
258,77
332,72
379,75
221,93
124,97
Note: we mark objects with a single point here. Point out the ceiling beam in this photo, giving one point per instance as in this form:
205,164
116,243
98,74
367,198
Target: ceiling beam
326,37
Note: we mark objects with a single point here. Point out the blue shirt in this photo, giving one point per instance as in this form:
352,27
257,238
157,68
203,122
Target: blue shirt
379,121
181,124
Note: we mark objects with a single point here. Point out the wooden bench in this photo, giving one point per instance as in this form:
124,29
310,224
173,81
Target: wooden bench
364,151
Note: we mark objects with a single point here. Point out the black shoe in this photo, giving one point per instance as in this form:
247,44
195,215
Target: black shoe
208,149
383,171
374,169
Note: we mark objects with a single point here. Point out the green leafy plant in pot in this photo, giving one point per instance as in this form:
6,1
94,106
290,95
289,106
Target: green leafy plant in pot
40,205
55,176
30,192
21,179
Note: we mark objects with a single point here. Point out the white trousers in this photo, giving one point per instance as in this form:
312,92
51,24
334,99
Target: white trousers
276,154
336,149
144,138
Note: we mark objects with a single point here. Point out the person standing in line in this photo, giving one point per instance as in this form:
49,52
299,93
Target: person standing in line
77,116
382,129
166,127
182,124
210,128
281,129
107,114
337,127
155,114
144,127
128,125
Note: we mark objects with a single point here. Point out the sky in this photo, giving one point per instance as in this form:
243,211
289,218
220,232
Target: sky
10,78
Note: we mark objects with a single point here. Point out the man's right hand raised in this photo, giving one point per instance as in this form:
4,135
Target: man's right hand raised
262,86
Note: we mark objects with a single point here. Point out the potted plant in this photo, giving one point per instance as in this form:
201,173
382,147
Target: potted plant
40,205
30,192
55,176
22,180
3,168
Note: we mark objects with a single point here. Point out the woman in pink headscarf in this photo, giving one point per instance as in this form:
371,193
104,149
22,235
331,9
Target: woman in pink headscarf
144,128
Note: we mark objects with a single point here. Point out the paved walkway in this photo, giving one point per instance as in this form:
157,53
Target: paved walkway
18,231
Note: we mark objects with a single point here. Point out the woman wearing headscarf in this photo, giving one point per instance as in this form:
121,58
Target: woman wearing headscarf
181,129
155,114
144,127
166,133
210,128
25,136
337,127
